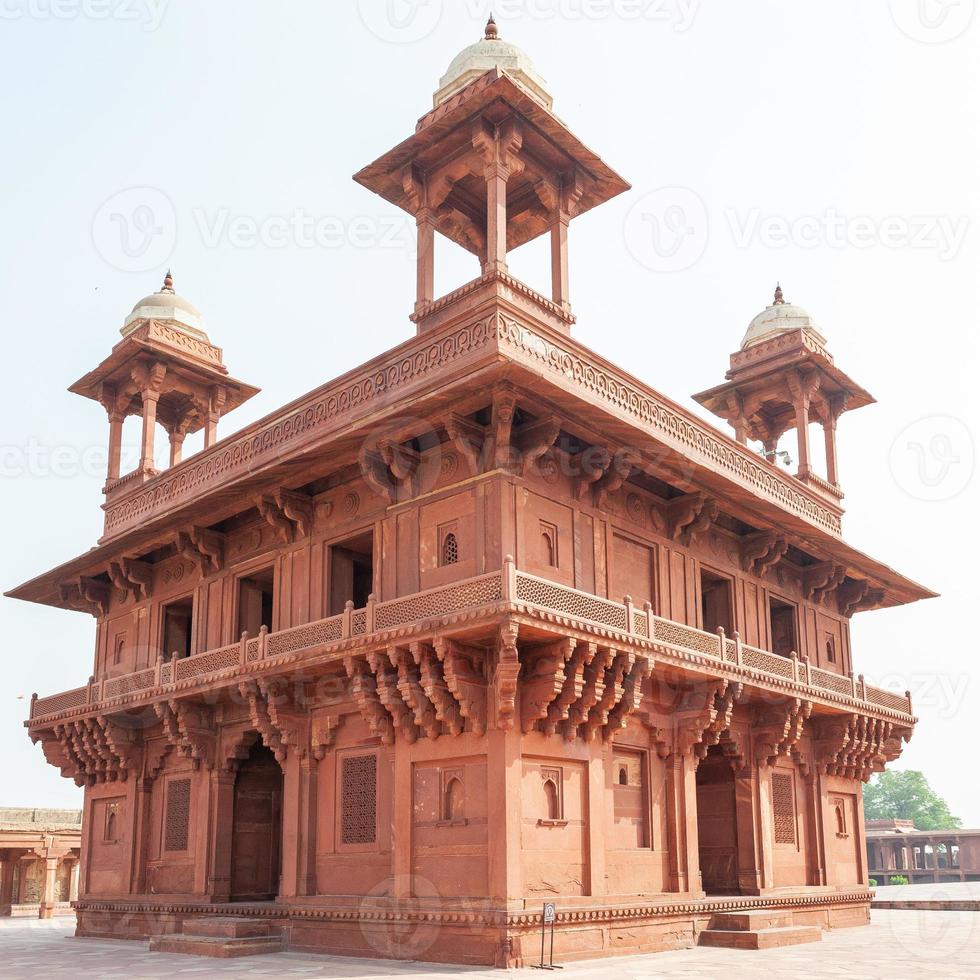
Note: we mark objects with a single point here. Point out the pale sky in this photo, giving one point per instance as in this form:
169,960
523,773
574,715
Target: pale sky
831,145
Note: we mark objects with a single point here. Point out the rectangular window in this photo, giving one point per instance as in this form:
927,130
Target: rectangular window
178,620
783,808
359,799
178,815
782,626
830,647
256,597
351,572
716,603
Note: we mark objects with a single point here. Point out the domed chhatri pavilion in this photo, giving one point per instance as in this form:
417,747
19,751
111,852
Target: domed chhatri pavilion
485,623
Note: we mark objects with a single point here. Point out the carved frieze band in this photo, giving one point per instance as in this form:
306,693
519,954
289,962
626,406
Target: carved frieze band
341,401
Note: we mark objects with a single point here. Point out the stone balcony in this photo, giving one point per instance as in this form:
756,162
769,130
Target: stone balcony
462,610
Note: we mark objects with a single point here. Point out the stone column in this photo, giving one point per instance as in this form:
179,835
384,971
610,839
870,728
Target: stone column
73,885
299,787
598,819
504,815
115,445
177,436
765,834
496,177
830,446
682,824
150,399
216,403
402,820
559,258
9,864
220,817
48,896
749,857
814,797
425,268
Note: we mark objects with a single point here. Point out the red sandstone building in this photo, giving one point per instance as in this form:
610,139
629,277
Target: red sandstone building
896,848
484,622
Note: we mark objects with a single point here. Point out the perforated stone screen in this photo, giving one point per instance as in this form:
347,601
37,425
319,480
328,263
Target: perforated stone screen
359,799
178,818
783,808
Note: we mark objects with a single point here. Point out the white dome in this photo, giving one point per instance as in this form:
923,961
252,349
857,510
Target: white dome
778,318
488,53
168,306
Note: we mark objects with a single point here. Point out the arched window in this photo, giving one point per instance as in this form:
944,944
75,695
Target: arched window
110,825
831,650
624,777
452,802
549,545
841,825
450,549
552,802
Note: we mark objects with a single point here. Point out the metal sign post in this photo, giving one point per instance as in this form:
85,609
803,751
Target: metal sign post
548,917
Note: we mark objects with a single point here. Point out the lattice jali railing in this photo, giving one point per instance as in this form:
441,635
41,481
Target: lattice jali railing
887,699
768,662
300,637
832,682
208,662
731,651
540,592
677,635
438,602
64,701
640,624
252,650
129,683
358,622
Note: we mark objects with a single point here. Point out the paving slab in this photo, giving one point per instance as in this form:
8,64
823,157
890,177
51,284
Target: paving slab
924,944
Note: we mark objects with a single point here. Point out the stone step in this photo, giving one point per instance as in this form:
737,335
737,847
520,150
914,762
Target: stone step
220,947
229,926
760,938
746,920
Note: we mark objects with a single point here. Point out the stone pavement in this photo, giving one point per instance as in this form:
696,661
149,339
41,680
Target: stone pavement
929,895
926,945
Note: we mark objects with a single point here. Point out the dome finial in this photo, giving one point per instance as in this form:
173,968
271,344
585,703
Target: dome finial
778,295
168,283
491,34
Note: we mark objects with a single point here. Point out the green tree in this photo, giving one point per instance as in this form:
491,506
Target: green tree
907,796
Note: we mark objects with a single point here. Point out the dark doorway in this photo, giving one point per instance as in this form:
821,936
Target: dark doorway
256,828
716,603
351,572
177,628
255,602
782,622
717,831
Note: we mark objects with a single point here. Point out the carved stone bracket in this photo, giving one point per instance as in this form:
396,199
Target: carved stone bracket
365,691
821,580
543,680
189,728
857,594
410,687
443,701
762,550
705,715
463,670
386,684
778,729
856,746
205,548
323,734
503,681
686,518
133,577
86,595
92,750
287,512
